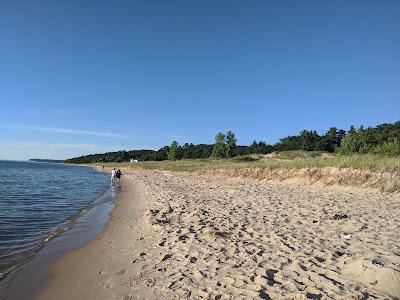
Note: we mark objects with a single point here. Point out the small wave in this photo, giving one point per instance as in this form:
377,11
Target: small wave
29,220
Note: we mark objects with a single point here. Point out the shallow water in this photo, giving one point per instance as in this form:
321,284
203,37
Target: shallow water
38,201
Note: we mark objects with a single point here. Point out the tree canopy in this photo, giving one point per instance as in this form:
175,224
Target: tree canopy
173,153
219,148
383,139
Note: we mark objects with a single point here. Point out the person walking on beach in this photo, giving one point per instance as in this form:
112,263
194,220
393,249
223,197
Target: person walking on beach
113,174
118,175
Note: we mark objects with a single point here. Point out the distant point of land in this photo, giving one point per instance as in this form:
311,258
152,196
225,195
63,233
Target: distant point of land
54,161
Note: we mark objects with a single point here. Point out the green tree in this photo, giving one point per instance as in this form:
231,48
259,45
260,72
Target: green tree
331,140
188,151
256,148
289,143
253,147
173,151
310,140
354,142
230,144
219,148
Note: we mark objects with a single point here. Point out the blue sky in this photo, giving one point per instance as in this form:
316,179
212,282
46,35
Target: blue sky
80,77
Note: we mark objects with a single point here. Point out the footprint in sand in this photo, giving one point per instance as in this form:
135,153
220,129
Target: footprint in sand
103,271
122,272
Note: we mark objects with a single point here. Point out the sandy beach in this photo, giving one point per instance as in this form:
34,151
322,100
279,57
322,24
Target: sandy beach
191,236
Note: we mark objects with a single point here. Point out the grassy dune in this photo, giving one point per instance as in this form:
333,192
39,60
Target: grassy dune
369,171
283,160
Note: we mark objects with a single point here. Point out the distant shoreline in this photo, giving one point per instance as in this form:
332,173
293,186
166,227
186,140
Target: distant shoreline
53,161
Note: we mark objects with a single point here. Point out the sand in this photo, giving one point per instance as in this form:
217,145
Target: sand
191,236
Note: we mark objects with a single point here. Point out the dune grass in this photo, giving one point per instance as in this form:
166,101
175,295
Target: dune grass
295,154
282,160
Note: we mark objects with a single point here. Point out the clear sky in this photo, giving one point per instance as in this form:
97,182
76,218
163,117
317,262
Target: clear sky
80,77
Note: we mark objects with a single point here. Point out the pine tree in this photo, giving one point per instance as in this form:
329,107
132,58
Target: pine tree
352,129
310,140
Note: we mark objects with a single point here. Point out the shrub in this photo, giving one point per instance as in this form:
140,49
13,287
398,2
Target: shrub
246,159
390,148
354,142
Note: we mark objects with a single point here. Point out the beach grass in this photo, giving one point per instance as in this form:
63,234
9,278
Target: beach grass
281,160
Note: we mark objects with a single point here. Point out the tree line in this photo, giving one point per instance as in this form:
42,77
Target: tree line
383,139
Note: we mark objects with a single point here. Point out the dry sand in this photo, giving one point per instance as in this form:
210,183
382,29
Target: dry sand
190,236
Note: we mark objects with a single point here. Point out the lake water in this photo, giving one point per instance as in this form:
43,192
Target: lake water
39,201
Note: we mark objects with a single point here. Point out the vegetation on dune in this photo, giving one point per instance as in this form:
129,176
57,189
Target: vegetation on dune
283,160
230,141
301,154
225,145
372,148
390,148
174,152
219,146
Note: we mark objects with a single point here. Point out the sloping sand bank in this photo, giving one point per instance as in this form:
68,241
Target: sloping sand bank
184,235
385,181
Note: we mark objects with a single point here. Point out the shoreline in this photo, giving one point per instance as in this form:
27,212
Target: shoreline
185,235
75,271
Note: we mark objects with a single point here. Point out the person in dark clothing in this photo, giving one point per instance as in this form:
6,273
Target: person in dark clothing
118,175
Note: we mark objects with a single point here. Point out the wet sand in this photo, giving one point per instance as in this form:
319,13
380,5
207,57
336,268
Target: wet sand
190,236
